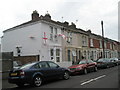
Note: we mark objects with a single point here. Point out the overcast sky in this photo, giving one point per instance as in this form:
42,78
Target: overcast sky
89,13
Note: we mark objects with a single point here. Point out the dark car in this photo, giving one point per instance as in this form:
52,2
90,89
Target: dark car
36,73
83,66
104,63
16,64
116,61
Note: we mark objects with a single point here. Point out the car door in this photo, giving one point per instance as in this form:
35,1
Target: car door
56,71
45,69
41,68
90,64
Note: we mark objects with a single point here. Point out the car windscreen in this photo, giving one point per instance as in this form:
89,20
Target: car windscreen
82,62
26,66
116,59
101,60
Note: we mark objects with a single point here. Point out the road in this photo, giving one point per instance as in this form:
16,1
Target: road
104,78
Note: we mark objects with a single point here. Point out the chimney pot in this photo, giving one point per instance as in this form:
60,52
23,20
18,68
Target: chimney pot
35,15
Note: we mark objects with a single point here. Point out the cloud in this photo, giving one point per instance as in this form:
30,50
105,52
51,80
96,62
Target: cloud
89,13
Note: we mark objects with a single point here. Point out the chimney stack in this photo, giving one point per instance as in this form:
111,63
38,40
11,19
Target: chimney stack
66,23
35,15
72,25
47,16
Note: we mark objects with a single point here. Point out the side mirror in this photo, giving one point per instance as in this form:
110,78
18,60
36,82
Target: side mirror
57,66
87,63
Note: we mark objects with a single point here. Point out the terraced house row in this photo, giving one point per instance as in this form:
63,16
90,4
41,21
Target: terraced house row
42,38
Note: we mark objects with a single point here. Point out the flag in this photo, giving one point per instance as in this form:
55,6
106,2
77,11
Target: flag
63,36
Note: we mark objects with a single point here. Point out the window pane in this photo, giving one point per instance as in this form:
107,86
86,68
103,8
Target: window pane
51,52
51,29
57,52
58,59
69,55
36,66
55,30
52,64
43,65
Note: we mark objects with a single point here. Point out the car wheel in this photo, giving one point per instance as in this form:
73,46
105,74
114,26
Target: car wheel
95,69
20,84
66,75
37,81
85,71
107,66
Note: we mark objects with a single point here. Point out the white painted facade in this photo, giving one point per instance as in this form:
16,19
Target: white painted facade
30,40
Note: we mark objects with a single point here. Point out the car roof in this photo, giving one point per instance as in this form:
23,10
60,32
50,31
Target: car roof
41,61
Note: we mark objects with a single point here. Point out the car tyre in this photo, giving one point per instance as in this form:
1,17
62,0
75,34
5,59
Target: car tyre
95,69
117,64
107,66
85,71
66,75
37,81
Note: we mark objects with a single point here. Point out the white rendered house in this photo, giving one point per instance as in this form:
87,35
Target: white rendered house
36,37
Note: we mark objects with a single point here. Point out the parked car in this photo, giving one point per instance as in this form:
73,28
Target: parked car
83,66
16,64
36,73
116,61
104,63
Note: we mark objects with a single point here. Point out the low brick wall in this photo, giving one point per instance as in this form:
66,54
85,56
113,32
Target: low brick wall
26,59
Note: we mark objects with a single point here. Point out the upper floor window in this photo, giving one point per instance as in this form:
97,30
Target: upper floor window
105,44
51,33
91,42
51,28
56,36
56,31
69,37
84,40
110,46
100,44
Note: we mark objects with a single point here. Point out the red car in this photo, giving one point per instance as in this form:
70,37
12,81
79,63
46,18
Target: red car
83,66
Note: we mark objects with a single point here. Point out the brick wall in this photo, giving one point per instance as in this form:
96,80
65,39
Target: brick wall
26,59
96,43
108,45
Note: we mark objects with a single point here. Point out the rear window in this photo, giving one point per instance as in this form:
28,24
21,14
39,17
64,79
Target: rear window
27,66
103,60
100,60
82,62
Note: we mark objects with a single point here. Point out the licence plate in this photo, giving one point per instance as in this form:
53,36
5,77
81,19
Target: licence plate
13,74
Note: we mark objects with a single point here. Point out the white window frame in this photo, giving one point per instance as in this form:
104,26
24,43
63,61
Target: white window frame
51,33
69,37
91,43
57,56
56,34
51,56
84,41
105,45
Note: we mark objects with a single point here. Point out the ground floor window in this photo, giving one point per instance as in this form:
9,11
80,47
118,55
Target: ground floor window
79,54
88,55
68,55
52,54
58,55
55,54
84,54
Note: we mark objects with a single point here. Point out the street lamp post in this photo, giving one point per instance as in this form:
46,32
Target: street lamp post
103,40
